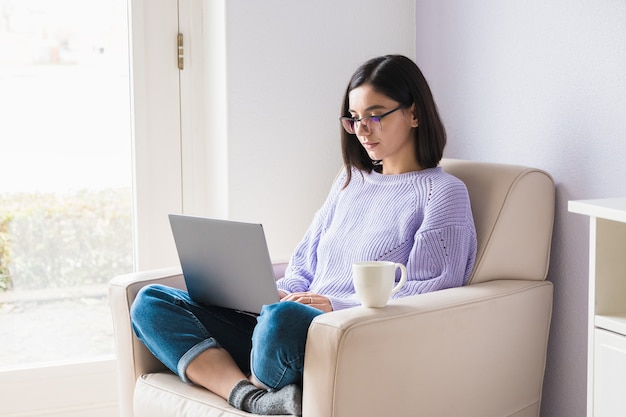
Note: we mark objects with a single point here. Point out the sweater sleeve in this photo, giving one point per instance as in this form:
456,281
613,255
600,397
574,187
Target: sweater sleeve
303,263
301,268
441,258
444,248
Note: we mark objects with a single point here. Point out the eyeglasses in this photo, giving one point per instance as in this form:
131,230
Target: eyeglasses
371,124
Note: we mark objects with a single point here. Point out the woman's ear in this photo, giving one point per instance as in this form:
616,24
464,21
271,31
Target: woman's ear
414,120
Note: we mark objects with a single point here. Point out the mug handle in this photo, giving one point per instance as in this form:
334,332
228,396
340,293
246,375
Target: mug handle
402,278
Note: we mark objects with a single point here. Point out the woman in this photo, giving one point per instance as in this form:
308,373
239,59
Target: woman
392,202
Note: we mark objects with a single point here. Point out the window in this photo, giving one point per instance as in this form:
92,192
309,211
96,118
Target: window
156,170
65,160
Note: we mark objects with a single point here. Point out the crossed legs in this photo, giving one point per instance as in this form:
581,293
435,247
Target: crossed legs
184,336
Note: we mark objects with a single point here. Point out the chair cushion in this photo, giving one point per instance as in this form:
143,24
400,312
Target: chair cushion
159,393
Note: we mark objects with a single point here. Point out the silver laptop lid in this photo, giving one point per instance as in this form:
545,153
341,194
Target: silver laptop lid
225,263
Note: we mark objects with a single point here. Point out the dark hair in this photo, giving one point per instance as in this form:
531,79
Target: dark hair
400,79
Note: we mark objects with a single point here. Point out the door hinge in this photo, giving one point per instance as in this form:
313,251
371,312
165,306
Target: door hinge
181,54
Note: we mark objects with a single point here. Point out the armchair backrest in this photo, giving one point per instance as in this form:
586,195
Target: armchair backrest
513,209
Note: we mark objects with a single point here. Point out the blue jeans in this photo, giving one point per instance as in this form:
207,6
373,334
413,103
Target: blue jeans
176,330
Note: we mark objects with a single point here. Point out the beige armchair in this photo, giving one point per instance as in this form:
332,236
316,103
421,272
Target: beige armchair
473,351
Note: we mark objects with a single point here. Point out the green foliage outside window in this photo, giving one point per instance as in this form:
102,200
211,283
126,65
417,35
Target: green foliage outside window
57,241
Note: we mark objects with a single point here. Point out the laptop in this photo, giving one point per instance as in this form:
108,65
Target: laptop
225,263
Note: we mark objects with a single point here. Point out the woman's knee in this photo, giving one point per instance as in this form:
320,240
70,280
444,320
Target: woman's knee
287,315
151,302
145,299
284,322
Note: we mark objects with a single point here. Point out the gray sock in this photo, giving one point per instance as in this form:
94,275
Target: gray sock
247,397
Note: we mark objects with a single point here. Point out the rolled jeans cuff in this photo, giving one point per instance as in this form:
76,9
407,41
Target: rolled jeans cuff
192,354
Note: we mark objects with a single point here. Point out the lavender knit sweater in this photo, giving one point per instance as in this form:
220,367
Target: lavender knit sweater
421,219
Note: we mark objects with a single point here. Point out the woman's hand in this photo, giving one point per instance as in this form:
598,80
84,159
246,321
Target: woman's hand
309,298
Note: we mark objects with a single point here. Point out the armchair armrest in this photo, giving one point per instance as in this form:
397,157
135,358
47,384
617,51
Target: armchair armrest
133,358
439,354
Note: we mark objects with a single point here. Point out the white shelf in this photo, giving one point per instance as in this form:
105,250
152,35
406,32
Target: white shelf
606,383
606,208
615,323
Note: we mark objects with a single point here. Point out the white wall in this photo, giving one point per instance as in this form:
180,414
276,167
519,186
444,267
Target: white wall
543,84
287,66
257,135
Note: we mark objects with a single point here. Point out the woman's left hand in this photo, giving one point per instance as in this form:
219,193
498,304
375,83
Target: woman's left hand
309,298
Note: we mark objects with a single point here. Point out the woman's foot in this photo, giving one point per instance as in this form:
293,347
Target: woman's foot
285,401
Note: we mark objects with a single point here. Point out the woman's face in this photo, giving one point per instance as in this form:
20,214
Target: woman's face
391,142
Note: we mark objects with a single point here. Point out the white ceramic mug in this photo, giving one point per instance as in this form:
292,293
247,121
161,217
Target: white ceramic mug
373,281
